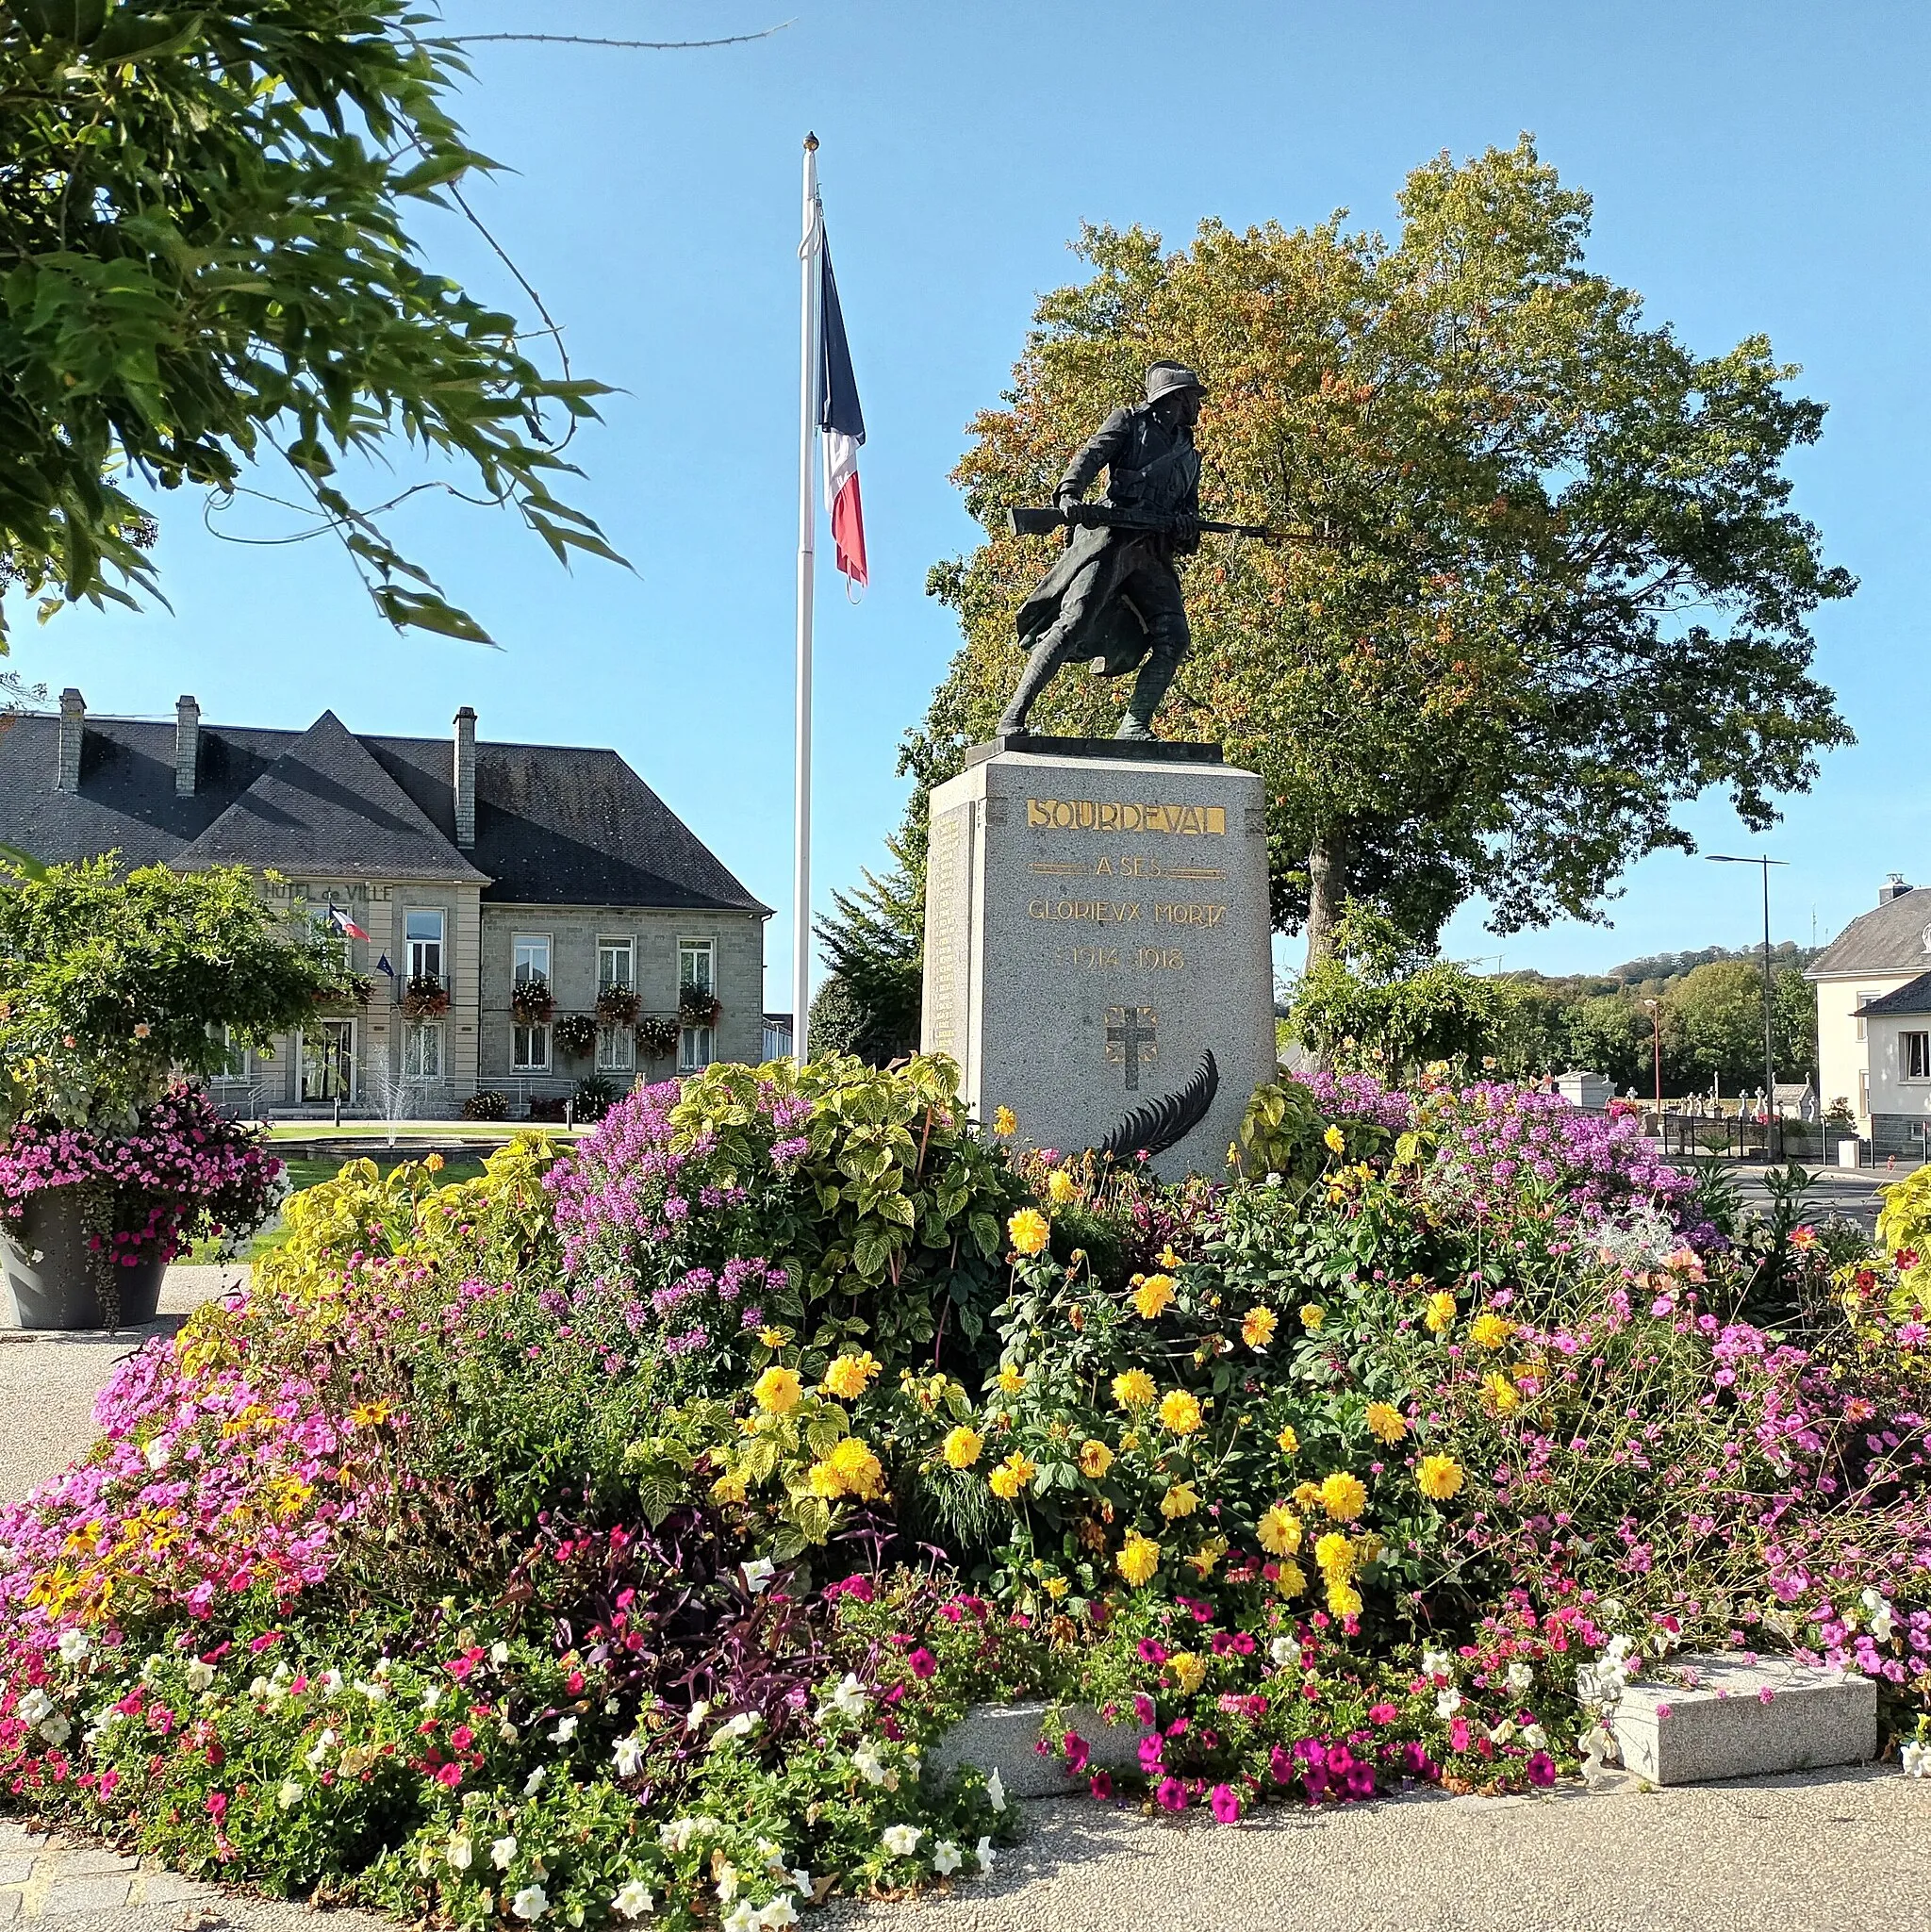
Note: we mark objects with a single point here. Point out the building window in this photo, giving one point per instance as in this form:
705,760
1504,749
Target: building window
617,1048
531,953
1914,1056
422,1049
696,978
613,964
529,1050
1858,1005
423,931
1864,1093
234,1057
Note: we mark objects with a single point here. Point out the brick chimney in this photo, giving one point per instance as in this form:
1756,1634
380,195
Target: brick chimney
466,776
187,745
73,723
1893,888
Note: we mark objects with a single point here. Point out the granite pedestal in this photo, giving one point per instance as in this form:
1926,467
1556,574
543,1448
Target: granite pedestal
1097,944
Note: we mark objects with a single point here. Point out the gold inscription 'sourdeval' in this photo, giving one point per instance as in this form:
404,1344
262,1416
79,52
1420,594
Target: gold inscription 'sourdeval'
1094,815
1189,915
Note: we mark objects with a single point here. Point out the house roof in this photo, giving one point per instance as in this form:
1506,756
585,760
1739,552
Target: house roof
555,825
1914,998
1890,939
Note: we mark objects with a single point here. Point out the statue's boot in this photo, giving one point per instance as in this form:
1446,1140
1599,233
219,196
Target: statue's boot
1046,658
1150,687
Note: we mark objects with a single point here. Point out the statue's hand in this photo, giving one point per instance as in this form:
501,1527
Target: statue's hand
1076,513
1186,532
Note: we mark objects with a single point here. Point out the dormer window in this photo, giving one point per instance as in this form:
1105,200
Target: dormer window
1927,938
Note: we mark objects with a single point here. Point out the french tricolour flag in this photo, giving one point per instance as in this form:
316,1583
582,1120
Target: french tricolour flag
842,423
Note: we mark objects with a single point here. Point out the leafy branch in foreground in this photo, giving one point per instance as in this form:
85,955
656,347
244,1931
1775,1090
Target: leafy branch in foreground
205,256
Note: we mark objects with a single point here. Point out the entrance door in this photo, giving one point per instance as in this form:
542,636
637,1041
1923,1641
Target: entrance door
328,1060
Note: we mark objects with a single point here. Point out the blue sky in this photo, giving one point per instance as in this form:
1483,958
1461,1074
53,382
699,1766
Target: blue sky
1755,167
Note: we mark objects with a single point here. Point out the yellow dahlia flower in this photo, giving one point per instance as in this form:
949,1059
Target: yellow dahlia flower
1150,1299
1210,1553
1134,1390
848,1375
1291,1580
1384,1423
1288,1441
1138,1559
1279,1531
1489,1330
1182,1499
1005,1123
1059,1187
1012,1476
1189,1670
857,1469
1503,1396
1096,1459
1344,1599
1334,1555
778,1391
1344,1497
1257,1328
1029,1231
1180,1413
1335,1141
1441,1316
962,1447
1439,1478
1012,1380
1312,1315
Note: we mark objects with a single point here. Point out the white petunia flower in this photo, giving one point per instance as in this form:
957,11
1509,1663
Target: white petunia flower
725,1875
57,1729
531,1903
288,1794
1283,1650
499,1653
33,1705
156,1453
758,1574
432,1697
1503,1731
628,1753
984,1852
566,1729
633,1900
535,1782
742,1917
1438,1663
869,1764
901,1840
1916,1760
847,1698
945,1858
1448,1701
200,1674
502,1851
332,1681
995,1790
1518,1676
460,1851
317,1752
1534,1737
74,1646
778,1914
376,1694
1882,1622
740,1725
698,1712
679,1835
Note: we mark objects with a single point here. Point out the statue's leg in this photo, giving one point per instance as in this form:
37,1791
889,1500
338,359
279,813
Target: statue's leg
1058,646
1156,593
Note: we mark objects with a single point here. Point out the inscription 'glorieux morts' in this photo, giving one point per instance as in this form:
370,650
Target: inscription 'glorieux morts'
1098,815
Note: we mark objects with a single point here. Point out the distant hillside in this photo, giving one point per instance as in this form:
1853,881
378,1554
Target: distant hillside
1658,971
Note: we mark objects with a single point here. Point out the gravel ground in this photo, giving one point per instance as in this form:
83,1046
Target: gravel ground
48,1380
1826,1852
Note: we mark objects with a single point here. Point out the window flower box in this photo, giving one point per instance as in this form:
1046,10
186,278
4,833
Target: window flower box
575,1034
657,1037
425,997
531,1002
617,1005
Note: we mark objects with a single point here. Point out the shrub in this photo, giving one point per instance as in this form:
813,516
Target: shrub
486,1103
594,1097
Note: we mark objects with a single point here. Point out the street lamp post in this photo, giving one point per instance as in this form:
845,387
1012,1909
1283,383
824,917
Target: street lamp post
1656,1020
1768,1052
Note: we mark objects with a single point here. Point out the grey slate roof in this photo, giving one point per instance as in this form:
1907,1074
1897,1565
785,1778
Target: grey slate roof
555,825
1915,997
1887,939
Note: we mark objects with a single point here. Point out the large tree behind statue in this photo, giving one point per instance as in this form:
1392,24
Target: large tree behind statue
1563,591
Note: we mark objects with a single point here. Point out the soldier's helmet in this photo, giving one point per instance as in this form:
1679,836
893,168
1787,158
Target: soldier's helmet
1165,378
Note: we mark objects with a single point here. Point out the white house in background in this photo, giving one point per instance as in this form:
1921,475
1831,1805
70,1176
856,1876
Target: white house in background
1874,1020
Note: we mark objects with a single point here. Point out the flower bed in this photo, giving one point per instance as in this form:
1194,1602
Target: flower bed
620,1537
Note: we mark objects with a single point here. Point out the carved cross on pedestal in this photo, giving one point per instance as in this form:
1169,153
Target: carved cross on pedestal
1130,1040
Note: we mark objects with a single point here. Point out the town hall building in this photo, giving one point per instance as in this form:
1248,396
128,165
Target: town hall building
535,914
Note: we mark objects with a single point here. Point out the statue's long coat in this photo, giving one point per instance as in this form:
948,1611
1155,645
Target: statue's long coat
1153,472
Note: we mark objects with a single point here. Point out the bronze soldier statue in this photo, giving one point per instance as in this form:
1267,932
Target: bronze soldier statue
1113,596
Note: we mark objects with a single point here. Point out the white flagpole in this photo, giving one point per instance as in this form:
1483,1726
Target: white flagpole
807,528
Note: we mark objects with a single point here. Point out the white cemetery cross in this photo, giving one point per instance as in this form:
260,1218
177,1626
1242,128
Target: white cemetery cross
1097,951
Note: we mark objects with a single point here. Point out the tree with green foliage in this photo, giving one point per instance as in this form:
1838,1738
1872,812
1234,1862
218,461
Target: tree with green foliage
1373,1005
874,947
205,259
1556,592
116,984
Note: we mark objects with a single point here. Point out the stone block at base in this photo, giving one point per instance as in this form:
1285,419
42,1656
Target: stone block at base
1003,1737
1721,1723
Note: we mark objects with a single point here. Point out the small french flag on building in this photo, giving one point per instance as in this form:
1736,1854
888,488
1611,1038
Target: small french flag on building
344,924
842,423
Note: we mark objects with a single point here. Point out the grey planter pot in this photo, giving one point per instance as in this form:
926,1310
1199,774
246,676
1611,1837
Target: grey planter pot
51,1276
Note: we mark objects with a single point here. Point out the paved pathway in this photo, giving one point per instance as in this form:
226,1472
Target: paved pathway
1829,1852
